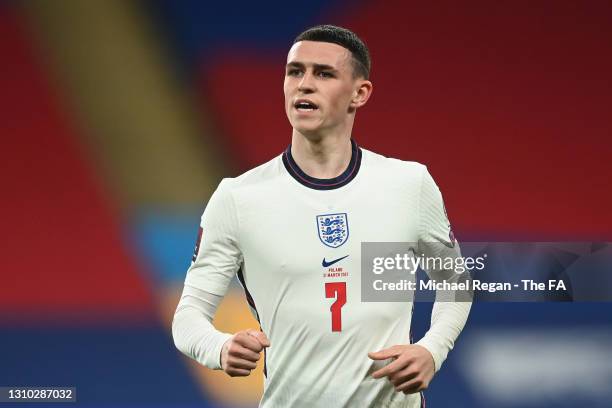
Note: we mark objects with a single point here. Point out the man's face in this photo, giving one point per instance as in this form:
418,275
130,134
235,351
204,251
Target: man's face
319,86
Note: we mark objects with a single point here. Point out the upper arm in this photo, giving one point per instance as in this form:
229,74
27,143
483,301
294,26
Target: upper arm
218,256
436,238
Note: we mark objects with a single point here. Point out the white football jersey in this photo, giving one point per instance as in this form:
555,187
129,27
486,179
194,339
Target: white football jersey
294,241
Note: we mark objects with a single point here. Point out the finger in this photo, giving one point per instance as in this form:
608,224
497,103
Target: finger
403,376
244,353
241,363
245,340
237,372
236,349
385,354
260,336
391,368
410,387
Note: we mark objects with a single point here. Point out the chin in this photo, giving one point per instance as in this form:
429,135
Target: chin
306,128
312,133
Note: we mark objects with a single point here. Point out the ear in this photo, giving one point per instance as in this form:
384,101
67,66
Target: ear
361,94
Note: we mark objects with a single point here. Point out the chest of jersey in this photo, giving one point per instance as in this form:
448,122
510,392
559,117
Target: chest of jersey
301,256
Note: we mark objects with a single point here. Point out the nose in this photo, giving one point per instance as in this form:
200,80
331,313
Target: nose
307,85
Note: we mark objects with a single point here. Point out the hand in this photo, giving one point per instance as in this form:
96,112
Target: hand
240,353
412,369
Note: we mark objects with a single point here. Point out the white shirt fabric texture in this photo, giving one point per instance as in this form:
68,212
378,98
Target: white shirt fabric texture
265,227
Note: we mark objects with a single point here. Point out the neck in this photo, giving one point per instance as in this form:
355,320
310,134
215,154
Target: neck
324,157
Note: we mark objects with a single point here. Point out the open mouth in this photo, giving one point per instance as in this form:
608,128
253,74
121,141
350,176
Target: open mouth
305,106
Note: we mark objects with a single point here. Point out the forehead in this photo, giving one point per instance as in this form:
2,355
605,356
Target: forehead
315,52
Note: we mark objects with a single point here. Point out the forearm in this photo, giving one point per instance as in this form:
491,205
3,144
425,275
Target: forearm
447,320
436,240
192,329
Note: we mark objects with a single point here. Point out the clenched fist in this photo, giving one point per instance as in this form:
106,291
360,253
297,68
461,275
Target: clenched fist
241,352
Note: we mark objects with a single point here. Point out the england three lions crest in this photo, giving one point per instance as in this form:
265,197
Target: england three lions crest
333,229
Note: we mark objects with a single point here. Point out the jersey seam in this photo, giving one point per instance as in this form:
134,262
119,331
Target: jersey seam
238,226
419,209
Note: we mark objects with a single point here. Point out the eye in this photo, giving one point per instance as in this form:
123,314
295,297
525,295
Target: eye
293,72
326,74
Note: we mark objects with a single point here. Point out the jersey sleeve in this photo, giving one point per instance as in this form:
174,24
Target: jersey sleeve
436,239
218,256
192,329
216,260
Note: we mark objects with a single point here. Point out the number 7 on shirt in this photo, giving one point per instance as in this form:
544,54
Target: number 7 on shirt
336,290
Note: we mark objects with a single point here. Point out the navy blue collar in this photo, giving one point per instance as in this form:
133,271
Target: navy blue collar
324,184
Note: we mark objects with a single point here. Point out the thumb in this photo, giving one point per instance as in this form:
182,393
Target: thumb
383,354
260,336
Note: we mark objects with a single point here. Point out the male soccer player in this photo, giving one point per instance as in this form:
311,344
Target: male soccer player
280,228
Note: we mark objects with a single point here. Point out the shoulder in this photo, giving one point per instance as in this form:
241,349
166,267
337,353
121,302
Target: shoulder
257,177
394,170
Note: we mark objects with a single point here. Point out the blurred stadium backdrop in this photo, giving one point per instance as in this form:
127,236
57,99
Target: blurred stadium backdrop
119,118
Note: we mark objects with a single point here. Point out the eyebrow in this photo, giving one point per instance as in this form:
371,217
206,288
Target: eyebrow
297,64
